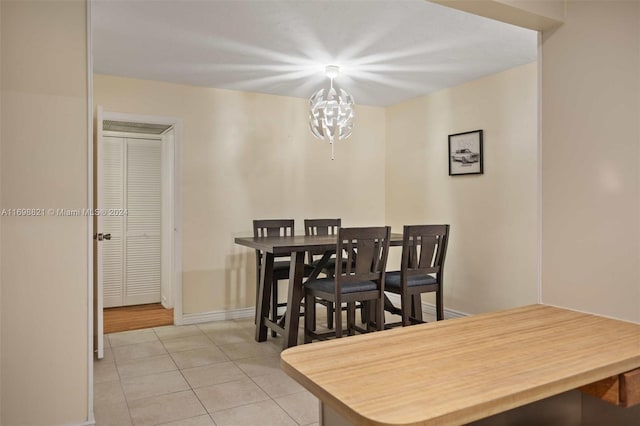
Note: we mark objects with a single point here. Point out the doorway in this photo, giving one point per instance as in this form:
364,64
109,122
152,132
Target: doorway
137,248
130,192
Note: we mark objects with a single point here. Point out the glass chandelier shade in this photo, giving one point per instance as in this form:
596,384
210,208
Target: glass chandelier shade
331,112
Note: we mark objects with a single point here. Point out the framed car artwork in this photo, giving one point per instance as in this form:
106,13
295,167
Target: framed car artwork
465,153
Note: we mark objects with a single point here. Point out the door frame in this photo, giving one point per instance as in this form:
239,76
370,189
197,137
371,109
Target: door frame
165,140
174,174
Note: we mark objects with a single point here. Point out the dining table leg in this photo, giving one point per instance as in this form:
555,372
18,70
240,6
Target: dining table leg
292,318
264,296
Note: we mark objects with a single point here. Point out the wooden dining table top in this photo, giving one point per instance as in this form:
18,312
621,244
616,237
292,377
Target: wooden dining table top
457,371
286,245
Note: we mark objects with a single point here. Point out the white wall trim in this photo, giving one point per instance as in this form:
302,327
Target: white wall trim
429,309
89,236
88,422
198,318
241,313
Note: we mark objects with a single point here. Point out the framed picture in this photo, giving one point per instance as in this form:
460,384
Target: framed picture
465,153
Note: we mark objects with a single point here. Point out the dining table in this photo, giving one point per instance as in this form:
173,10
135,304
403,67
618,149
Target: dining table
297,247
520,366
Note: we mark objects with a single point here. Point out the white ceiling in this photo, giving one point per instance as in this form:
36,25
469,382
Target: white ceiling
388,51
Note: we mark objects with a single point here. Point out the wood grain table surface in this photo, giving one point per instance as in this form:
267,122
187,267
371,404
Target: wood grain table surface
457,371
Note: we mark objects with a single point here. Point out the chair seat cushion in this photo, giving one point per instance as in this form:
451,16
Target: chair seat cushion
392,279
327,285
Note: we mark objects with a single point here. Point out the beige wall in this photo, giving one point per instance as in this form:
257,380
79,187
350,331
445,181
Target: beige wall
590,160
44,259
248,156
1,205
492,255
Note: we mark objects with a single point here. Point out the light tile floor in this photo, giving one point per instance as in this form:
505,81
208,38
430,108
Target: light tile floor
195,375
206,374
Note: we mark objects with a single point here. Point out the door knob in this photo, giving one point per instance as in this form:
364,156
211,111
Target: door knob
107,236
101,237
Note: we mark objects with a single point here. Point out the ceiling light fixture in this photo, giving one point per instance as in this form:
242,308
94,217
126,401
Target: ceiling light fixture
331,111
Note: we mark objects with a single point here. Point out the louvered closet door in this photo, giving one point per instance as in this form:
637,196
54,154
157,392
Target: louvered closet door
142,241
131,179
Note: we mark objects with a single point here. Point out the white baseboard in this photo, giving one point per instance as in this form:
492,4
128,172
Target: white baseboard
218,315
429,309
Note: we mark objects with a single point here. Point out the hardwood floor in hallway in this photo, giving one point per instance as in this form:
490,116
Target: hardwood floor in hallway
136,317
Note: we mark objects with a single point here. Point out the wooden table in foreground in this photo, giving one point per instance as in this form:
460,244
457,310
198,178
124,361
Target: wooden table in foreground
297,247
457,371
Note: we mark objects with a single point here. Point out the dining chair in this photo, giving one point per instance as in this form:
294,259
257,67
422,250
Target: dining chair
361,259
274,228
323,227
424,248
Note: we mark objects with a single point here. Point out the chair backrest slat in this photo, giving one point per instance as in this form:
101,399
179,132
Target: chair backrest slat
424,248
263,228
362,255
273,228
320,227
348,251
428,248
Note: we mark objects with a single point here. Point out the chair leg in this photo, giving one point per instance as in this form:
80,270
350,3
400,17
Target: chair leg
365,315
330,309
406,308
417,307
439,306
337,312
351,318
379,306
309,316
274,306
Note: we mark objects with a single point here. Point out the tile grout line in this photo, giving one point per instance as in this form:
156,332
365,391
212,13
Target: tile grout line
185,379
276,402
126,400
256,384
241,328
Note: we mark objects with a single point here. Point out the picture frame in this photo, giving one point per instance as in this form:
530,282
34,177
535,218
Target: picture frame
465,153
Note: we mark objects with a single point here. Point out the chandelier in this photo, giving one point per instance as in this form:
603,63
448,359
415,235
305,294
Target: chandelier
331,112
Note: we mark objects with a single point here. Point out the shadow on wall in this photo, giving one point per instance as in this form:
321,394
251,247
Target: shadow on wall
240,278
226,288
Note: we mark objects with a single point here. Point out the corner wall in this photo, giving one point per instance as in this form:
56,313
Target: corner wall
591,160
492,260
44,258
